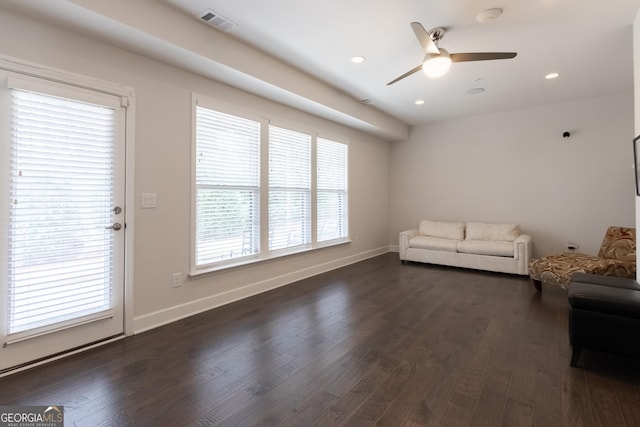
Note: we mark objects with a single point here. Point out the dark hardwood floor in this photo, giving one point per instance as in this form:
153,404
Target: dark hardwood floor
375,343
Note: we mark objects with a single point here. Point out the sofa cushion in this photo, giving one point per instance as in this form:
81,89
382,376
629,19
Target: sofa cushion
442,229
433,243
619,243
486,247
485,231
560,268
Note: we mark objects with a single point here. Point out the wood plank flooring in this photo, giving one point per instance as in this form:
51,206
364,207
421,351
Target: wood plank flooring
375,343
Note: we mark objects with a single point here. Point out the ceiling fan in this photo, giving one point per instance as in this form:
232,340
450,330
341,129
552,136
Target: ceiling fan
437,60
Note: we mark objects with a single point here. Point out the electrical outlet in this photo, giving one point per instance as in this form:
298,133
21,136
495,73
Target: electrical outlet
177,280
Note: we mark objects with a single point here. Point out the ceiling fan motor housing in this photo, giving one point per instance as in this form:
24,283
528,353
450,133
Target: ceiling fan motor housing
437,34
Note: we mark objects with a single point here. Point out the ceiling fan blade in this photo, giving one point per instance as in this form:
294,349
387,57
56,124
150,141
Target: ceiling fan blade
407,74
481,56
424,38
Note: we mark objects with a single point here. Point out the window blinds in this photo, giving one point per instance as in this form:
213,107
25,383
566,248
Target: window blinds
60,257
262,190
289,188
332,173
227,186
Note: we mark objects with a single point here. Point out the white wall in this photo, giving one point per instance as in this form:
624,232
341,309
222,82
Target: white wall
162,161
516,167
636,82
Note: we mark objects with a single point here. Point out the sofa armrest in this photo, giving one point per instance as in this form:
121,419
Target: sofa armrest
403,243
522,245
522,252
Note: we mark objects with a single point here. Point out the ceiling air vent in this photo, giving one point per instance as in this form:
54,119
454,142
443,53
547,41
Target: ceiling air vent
217,21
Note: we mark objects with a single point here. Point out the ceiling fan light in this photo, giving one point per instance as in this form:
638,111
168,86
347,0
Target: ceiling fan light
436,65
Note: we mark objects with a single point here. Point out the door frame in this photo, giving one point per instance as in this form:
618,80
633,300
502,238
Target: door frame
127,95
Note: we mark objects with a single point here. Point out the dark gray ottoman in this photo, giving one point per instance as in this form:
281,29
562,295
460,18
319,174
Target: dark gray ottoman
604,315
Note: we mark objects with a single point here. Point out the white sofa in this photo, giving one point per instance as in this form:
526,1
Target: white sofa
482,246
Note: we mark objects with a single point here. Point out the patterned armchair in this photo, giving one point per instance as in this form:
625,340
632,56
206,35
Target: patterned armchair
616,257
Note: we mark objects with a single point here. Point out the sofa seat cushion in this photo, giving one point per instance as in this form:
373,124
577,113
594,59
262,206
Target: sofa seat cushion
560,268
442,229
485,231
486,247
433,243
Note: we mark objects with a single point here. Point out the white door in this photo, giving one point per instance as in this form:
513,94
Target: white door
62,228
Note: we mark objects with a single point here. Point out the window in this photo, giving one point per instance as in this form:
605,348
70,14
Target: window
227,186
332,190
262,190
289,188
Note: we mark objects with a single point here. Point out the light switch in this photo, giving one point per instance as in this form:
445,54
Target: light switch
148,200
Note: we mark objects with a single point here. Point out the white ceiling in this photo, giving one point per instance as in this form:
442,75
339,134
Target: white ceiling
588,41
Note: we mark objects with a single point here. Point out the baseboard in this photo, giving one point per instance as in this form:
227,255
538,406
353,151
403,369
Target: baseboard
172,314
394,248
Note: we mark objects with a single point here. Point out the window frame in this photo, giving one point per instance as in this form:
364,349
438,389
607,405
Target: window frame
318,190
289,189
264,253
239,183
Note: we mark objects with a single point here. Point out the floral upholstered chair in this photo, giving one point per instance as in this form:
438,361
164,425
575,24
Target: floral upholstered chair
616,257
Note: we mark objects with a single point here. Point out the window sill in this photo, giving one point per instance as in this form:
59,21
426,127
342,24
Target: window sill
257,259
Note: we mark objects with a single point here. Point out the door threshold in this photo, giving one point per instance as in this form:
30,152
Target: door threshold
58,356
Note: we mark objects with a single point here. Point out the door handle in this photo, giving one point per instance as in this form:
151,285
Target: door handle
116,226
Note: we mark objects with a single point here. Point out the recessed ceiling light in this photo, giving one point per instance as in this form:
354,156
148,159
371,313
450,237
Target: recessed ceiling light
419,102
489,15
552,76
358,59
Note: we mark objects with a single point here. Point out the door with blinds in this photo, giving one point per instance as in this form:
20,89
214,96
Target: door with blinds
62,222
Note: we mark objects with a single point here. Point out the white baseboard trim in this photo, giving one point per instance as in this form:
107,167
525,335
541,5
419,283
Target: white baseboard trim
169,315
394,248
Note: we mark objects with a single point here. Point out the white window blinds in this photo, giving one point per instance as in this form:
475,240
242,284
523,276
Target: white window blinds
61,197
332,173
227,186
289,188
261,190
